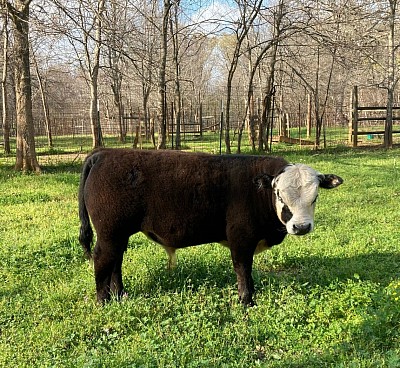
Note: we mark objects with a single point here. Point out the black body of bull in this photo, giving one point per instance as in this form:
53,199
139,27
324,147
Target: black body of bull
179,200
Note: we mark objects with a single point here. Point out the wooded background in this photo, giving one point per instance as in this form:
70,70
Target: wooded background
92,66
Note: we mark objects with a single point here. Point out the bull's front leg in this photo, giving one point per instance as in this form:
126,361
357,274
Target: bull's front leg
242,259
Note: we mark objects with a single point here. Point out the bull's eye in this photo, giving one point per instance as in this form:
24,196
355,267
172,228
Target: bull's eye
279,197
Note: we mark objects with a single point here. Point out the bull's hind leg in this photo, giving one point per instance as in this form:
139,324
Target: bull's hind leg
116,285
107,258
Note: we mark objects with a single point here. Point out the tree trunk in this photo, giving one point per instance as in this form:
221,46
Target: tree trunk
388,136
228,108
250,108
26,152
6,123
177,92
265,123
318,116
146,116
97,136
116,89
114,57
247,17
162,87
44,104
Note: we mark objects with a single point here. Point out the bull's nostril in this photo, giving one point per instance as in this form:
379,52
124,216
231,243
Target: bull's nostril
301,229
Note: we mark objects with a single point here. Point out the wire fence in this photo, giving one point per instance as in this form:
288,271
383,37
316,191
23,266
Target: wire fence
201,129
73,137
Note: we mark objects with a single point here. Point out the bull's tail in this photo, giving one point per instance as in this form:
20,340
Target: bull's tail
86,232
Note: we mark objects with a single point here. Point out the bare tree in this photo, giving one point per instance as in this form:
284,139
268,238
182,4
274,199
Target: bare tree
174,25
392,79
322,27
93,62
144,48
248,13
4,92
283,46
282,28
44,102
253,65
82,27
115,39
26,152
162,85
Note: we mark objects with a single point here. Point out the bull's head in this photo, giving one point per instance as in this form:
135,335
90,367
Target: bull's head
295,192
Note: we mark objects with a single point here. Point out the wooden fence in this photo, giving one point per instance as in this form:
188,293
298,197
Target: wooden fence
370,113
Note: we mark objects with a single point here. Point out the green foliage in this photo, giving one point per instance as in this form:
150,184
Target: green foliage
329,299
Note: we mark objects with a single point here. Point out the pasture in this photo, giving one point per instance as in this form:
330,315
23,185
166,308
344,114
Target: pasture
328,299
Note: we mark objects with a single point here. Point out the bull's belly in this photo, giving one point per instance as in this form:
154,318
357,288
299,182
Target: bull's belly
173,242
181,241
182,231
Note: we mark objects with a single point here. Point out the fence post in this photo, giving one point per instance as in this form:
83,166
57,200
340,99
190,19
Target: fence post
309,114
221,126
201,118
353,123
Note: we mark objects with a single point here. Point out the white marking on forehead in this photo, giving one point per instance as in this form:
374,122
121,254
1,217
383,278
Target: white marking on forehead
295,178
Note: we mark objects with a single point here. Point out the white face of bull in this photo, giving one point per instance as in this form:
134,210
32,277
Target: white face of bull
295,195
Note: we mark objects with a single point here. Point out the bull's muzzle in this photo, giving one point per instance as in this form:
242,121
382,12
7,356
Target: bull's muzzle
301,229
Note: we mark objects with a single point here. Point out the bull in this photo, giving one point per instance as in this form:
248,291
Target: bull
178,199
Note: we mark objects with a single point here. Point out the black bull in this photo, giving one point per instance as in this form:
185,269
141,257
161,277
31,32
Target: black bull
178,200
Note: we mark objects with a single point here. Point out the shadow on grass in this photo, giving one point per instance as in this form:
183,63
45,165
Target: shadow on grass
378,268
191,272
63,168
373,341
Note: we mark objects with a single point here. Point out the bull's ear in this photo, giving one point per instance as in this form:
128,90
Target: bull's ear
263,181
329,181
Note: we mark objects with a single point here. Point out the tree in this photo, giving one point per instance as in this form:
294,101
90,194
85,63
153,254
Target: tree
142,50
26,152
162,85
4,92
253,66
248,13
281,29
44,103
93,62
174,25
82,27
392,80
315,67
116,33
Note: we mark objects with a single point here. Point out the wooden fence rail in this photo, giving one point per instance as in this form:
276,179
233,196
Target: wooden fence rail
354,131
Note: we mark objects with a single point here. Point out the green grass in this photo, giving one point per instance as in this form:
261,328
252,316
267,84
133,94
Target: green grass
329,299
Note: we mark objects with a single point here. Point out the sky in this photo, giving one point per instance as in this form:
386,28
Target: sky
214,16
